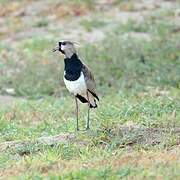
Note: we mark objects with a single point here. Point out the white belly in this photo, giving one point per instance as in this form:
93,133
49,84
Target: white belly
76,87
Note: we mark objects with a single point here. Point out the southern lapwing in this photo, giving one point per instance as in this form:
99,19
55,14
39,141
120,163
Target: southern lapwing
78,78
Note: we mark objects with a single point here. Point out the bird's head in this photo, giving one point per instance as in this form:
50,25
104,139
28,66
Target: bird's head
66,47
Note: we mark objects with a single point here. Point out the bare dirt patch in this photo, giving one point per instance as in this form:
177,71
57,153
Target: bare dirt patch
124,136
8,100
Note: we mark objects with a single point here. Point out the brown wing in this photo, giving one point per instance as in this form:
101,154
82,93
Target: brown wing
90,82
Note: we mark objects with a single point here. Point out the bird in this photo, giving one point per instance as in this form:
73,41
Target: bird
78,79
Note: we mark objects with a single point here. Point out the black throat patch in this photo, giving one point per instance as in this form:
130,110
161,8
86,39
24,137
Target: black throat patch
73,67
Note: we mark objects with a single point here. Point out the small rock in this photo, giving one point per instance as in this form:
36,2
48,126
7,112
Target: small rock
10,91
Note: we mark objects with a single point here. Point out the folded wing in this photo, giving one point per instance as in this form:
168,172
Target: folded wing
90,82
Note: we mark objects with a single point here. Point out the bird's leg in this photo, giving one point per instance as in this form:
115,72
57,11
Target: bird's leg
87,127
77,123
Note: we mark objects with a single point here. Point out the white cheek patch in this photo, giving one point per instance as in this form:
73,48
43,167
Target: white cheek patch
62,47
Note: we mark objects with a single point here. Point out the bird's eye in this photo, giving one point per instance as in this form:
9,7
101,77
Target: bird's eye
63,43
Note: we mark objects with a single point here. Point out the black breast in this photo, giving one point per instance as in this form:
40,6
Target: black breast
73,67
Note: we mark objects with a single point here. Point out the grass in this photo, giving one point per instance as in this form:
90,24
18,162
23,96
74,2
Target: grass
134,132
106,155
47,117
149,64
92,23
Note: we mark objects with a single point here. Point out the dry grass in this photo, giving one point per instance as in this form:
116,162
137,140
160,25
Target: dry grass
135,130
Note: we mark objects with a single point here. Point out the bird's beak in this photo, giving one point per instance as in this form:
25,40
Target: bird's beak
56,49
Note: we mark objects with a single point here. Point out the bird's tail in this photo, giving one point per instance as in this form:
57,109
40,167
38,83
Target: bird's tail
84,99
92,100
